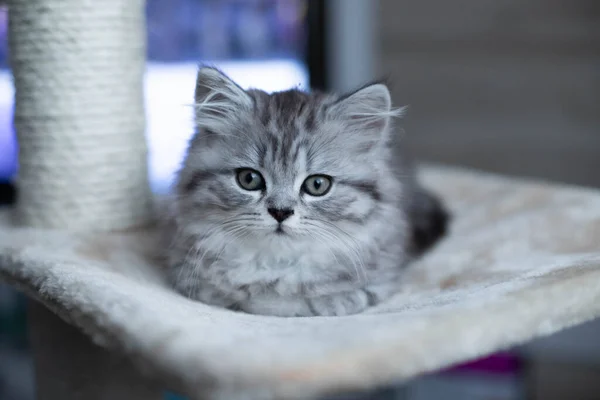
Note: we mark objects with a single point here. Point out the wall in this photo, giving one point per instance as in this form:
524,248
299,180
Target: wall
505,85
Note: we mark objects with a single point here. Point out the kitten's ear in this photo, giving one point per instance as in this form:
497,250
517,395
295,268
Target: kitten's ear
217,96
368,109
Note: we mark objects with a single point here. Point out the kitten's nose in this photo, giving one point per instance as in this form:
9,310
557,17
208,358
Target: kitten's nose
279,214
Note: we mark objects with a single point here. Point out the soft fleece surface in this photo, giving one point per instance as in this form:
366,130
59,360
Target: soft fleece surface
522,260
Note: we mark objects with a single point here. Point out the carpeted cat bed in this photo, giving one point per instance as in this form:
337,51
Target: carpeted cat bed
522,260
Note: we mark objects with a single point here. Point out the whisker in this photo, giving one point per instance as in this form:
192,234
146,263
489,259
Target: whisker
333,231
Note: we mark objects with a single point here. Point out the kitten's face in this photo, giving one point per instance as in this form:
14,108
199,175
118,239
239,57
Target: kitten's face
289,167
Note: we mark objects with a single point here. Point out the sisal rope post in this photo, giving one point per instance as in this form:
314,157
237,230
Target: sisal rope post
78,73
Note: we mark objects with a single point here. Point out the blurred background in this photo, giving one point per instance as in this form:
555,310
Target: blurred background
509,86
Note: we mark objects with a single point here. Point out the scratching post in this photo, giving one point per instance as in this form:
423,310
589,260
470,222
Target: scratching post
522,258
78,68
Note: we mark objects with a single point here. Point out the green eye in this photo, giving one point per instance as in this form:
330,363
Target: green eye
250,179
317,185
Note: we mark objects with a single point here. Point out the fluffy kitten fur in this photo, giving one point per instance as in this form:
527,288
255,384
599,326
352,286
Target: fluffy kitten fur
337,254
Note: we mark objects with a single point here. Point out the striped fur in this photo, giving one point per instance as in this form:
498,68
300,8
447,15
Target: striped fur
336,254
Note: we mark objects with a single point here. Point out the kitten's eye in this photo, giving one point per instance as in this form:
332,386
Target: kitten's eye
250,179
317,185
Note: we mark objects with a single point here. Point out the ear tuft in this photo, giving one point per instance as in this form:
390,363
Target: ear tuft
217,96
367,109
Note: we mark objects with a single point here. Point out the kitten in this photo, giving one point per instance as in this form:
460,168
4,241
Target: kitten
290,204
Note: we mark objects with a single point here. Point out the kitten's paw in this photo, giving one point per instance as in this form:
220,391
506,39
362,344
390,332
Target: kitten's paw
345,303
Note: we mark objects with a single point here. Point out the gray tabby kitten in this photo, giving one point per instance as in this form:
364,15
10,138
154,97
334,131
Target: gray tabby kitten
288,204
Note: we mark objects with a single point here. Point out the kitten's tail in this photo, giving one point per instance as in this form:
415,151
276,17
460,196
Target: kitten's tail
428,220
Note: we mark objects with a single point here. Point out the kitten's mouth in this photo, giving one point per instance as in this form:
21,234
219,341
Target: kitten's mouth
279,230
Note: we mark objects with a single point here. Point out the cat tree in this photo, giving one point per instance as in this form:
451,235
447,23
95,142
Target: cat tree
522,260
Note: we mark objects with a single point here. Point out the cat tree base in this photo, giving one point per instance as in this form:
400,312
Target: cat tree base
522,260
70,367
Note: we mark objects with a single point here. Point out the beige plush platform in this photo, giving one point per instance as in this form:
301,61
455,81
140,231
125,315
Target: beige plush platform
522,260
